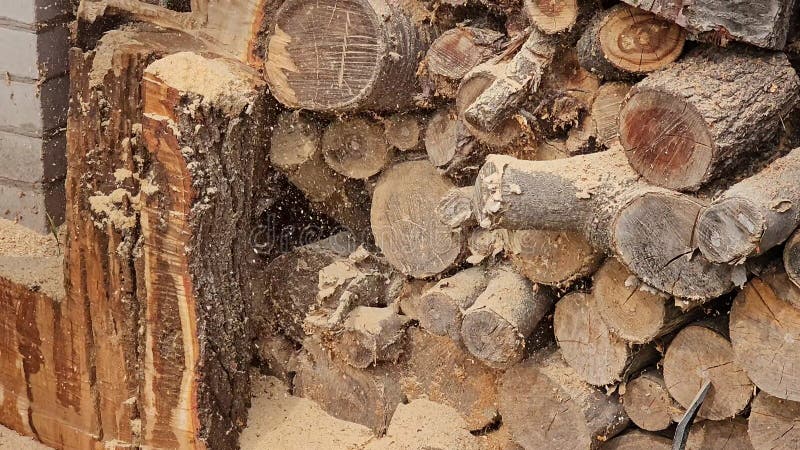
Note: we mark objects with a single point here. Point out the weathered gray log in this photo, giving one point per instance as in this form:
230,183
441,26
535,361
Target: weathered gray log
754,215
700,117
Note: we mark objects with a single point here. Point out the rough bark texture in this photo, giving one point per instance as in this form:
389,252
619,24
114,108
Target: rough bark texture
648,404
545,404
697,119
623,42
774,423
791,258
354,56
765,330
753,215
764,24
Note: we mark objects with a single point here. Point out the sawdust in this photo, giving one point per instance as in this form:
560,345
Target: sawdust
16,240
11,440
39,274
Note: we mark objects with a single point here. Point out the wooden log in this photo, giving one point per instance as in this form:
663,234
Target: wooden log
405,131
597,356
449,144
277,355
764,325
632,310
439,369
636,440
368,397
653,236
753,215
442,307
554,16
455,52
554,258
684,126
512,82
455,208
773,423
545,404
358,57
719,434
404,223
356,147
791,258
486,244
624,42
699,353
370,335
295,150
495,327
648,404
764,24
605,112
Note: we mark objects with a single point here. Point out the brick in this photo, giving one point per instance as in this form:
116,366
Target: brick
28,54
31,159
29,204
31,109
34,11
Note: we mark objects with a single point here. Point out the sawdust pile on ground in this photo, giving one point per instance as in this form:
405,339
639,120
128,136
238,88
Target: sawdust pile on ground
16,240
10,440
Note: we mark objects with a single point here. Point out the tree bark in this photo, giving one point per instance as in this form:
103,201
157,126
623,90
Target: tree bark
765,24
545,404
624,42
405,225
723,434
699,353
635,440
442,307
495,327
773,423
764,325
693,121
754,215
791,258
554,258
362,56
597,356
648,404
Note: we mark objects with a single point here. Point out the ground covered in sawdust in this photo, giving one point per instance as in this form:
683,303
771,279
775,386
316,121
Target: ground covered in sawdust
10,440
16,240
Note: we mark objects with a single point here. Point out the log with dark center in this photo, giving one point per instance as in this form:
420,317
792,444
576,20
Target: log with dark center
552,16
695,120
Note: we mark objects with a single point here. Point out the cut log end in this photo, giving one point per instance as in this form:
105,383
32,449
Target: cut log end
356,148
648,403
403,131
456,52
665,138
554,258
552,16
637,440
774,423
719,434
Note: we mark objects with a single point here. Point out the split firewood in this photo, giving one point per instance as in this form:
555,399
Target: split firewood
587,345
368,396
699,353
638,440
449,144
791,258
764,328
368,336
404,131
442,307
296,151
605,112
653,236
764,24
439,369
330,58
356,147
683,126
719,434
545,404
648,403
754,215
632,310
623,42
455,52
773,423
404,222
554,258
455,208
495,327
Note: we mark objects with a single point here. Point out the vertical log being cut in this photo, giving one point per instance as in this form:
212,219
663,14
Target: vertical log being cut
495,327
719,435
764,24
405,224
791,258
774,423
753,215
765,334
697,354
554,258
442,307
648,403
356,147
296,151
598,357
332,57
545,404
456,52
623,42
693,121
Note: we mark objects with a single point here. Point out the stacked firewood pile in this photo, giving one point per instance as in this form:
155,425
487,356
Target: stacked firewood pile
559,218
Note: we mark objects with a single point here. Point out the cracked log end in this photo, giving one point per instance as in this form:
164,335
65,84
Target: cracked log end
774,423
